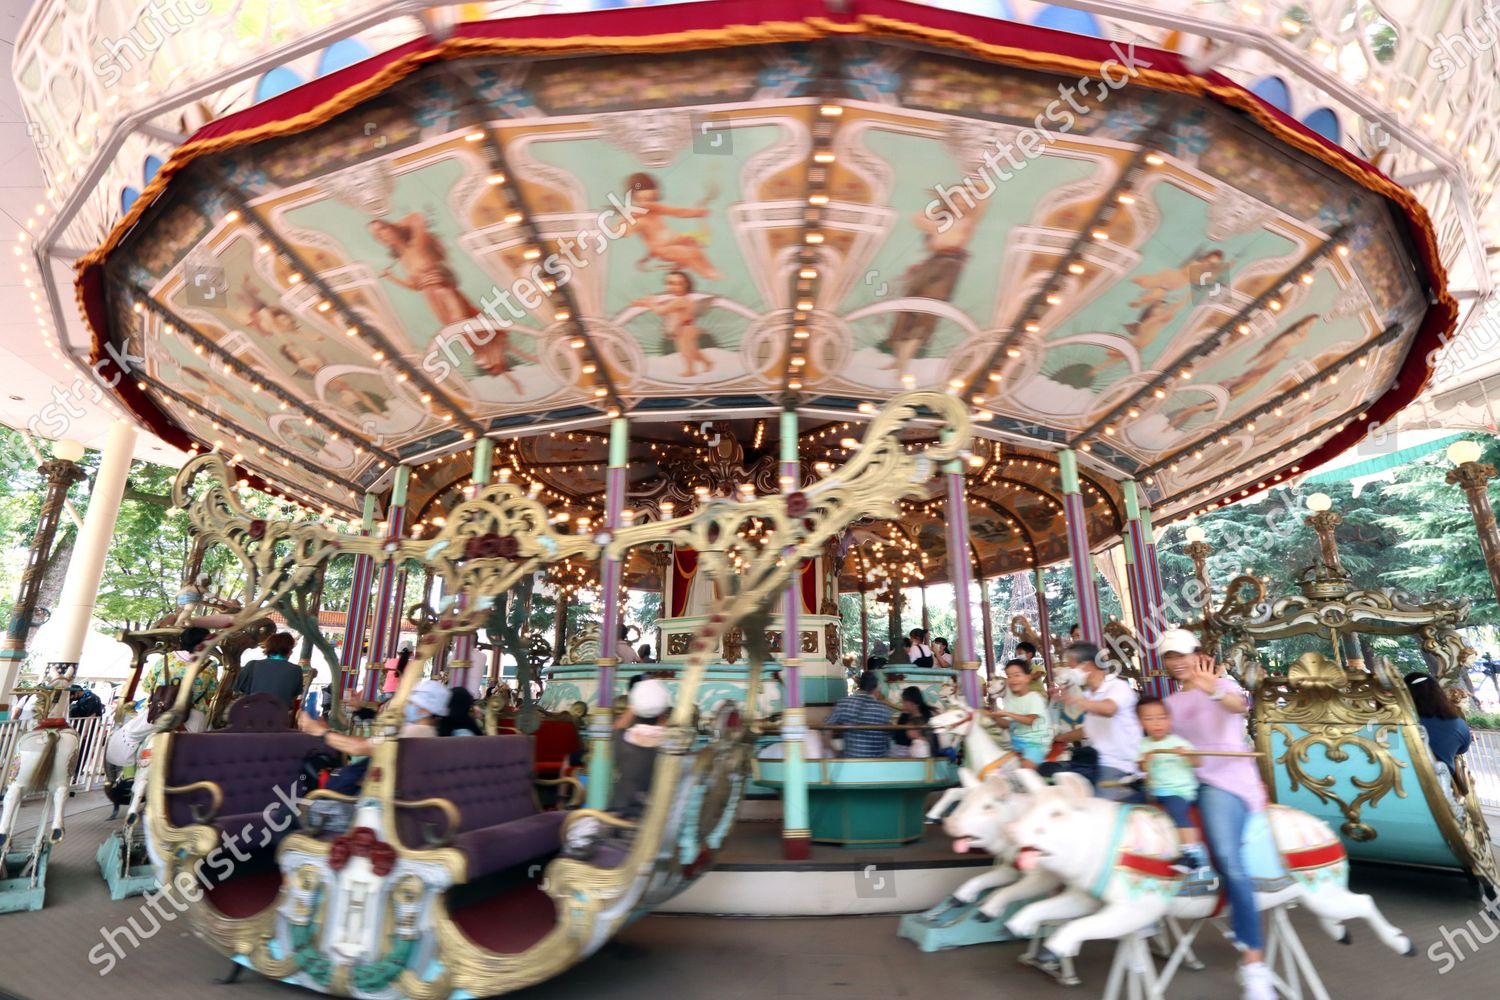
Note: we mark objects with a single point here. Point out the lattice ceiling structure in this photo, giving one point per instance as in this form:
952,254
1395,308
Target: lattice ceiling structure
1191,287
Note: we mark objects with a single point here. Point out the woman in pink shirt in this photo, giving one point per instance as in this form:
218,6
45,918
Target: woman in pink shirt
1209,712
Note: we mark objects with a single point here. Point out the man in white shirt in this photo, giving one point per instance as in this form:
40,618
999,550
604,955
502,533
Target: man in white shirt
1110,724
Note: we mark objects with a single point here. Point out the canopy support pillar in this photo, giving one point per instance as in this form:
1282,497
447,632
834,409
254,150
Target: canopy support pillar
1076,522
601,721
395,518
359,609
1144,578
961,572
796,833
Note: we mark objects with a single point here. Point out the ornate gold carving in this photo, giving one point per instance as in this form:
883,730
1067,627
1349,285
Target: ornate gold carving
734,641
773,639
488,543
1334,740
809,642
678,642
1314,671
831,642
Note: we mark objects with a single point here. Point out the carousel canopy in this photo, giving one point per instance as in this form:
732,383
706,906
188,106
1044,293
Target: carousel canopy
704,212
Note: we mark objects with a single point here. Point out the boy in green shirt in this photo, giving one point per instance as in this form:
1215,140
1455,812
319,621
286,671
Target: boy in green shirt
1168,763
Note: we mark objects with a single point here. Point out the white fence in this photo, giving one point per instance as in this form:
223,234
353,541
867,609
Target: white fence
93,734
1483,759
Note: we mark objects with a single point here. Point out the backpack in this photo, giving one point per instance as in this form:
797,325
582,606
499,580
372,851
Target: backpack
921,657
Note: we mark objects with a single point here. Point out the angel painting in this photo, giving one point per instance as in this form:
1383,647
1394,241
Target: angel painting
934,277
1266,359
1202,271
425,261
679,312
682,251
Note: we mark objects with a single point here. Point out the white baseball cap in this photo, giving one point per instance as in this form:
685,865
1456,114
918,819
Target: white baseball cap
650,698
431,696
1177,640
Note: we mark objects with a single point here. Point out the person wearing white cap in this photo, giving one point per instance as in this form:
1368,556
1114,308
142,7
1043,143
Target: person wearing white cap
1208,711
425,707
635,747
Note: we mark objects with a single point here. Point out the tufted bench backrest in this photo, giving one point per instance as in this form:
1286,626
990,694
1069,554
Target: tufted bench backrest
249,767
487,777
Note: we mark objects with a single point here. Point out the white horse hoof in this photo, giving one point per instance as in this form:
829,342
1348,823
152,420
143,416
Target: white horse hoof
1411,949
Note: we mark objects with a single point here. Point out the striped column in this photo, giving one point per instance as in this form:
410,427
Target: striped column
796,834
1043,627
961,573
395,516
398,609
359,609
1089,622
1144,578
601,720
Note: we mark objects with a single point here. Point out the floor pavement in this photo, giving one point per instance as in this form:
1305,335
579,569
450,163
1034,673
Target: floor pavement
44,955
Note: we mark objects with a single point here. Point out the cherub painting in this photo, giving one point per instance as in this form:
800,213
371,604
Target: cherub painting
679,251
280,328
425,261
679,312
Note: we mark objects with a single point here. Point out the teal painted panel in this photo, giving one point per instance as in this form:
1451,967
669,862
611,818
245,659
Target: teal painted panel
1406,832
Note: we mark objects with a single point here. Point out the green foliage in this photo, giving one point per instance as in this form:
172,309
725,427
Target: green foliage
1482,720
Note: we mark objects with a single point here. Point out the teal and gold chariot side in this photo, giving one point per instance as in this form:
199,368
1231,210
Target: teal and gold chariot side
1339,734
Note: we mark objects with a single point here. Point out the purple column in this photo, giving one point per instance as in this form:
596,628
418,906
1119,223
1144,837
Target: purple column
1089,621
1145,590
379,629
961,572
359,610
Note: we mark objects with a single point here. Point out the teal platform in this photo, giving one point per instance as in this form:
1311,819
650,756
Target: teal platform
124,883
866,801
956,924
27,893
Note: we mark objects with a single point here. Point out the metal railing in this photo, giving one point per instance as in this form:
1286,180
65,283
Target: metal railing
1483,760
93,735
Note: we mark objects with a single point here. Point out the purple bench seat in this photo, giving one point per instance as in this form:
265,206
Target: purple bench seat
247,769
488,779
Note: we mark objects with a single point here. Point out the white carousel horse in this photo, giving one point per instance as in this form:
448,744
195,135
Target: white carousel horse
1115,858
982,819
44,760
982,753
129,746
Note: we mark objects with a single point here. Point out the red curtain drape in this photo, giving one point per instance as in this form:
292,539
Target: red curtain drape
684,568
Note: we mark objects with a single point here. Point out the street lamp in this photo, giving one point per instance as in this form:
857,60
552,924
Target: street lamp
60,474
1323,520
1473,477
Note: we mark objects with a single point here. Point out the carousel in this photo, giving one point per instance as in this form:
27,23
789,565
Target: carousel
746,307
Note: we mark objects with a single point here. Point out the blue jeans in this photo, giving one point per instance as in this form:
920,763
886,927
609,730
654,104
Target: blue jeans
1179,809
1225,816
1118,793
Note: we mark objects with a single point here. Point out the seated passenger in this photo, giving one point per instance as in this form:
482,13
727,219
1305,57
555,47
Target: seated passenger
864,707
459,721
917,714
275,675
1447,733
425,707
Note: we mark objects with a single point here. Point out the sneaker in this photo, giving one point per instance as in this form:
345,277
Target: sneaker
1256,982
1185,863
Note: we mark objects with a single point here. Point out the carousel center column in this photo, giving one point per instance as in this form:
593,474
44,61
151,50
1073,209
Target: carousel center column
395,525
601,719
796,835
75,606
960,571
60,473
1076,522
359,608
